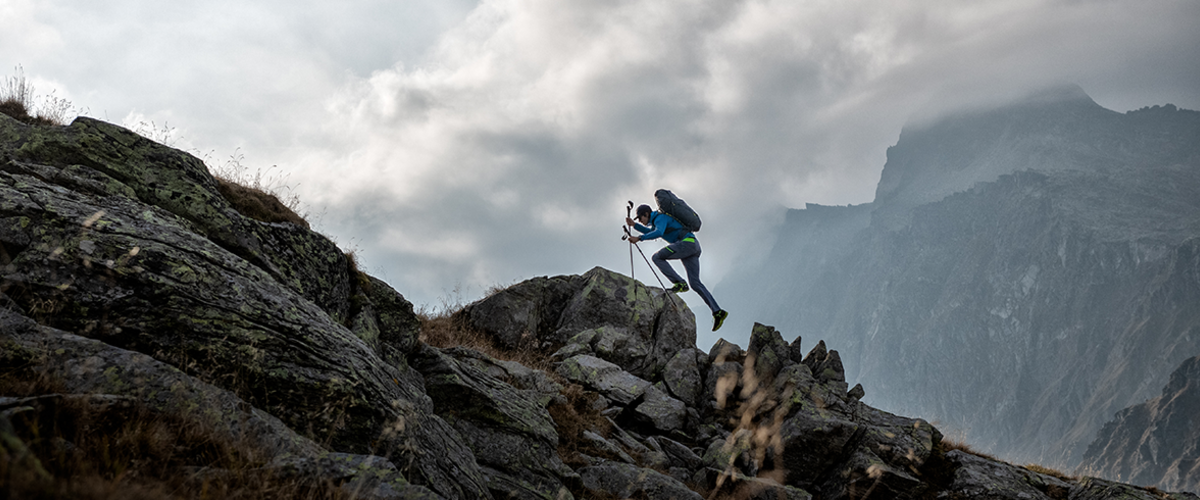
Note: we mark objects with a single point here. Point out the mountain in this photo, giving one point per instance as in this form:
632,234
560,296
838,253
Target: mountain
156,341
1023,272
1156,442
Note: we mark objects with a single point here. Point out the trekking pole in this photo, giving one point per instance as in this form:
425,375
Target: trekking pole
628,215
660,283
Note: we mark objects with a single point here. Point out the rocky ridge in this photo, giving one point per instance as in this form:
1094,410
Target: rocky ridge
1156,442
1038,258
131,285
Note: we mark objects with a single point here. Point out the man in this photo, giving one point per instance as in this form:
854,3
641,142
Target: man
683,246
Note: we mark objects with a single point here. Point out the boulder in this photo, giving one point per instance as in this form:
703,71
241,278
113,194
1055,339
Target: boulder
978,477
604,377
513,438
769,351
626,322
683,378
617,480
661,411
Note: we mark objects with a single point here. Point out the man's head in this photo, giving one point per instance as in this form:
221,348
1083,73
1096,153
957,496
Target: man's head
643,214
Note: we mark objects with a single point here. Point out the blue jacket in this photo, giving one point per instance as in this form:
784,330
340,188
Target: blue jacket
665,226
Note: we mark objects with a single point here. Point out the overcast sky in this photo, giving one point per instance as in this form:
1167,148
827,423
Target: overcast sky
458,145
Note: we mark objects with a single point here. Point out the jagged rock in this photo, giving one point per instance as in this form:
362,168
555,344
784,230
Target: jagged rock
604,377
857,392
722,382
1156,443
826,366
636,326
524,314
613,344
678,452
608,447
725,351
769,351
660,410
1091,488
732,454
977,477
625,481
175,273
513,438
398,323
682,377
796,351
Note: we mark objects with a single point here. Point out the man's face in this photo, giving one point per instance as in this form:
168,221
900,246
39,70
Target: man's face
644,218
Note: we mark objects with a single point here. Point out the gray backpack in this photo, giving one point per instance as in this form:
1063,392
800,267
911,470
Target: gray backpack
672,205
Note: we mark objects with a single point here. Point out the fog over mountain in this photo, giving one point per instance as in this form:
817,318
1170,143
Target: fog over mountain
1023,273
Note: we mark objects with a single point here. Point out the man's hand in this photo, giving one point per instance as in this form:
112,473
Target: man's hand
628,221
634,239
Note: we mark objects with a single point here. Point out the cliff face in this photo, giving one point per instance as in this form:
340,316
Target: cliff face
1023,273
133,294
1156,442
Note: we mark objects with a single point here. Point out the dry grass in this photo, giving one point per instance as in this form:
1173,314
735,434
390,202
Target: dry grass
1046,471
19,100
950,444
261,196
257,203
80,447
443,329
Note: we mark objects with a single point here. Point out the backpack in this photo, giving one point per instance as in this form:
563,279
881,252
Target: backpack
671,205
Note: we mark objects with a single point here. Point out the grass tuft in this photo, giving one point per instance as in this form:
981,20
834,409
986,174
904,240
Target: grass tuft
19,100
949,444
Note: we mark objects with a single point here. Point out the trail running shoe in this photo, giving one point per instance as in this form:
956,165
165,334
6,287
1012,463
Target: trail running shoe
679,288
719,319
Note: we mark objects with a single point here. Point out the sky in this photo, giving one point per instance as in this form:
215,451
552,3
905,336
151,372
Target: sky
457,146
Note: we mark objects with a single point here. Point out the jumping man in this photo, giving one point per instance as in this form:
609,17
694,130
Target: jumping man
682,246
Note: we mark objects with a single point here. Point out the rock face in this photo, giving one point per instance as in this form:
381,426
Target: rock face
1156,443
128,285
1036,259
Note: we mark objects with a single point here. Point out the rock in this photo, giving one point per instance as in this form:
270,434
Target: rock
625,481
769,351
755,488
175,273
679,453
661,411
725,351
625,322
1155,443
977,477
682,377
857,392
608,447
604,377
1090,488
525,314
513,438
